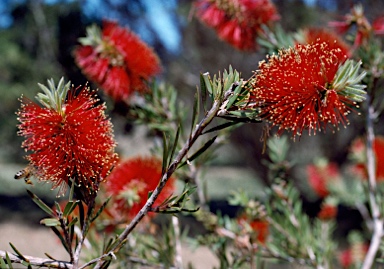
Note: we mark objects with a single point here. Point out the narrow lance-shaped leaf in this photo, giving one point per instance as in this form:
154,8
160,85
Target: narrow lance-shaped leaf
71,190
50,222
107,244
195,112
58,209
2,263
9,262
73,222
235,95
165,155
204,91
69,207
221,126
49,256
200,151
21,256
204,80
41,204
81,214
60,236
174,146
103,206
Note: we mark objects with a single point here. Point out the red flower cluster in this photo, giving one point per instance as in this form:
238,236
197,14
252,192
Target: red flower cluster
117,60
353,255
260,228
320,175
293,89
131,182
327,212
74,142
238,22
317,35
357,20
358,151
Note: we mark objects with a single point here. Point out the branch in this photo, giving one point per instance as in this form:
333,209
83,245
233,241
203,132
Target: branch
35,261
87,223
210,115
371,167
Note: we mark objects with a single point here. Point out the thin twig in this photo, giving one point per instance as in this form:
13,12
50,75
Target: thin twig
38,262
376,217
66,236
84,232
210,115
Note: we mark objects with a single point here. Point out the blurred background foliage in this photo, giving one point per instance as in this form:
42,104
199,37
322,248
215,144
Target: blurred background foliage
37,37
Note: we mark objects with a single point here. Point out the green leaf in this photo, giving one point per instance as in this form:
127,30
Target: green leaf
234,96
18,252
200,151
103,206
174,146
195,112
9,262
347,81
203,90
73,222
69,207
205,80
221,127
251,115
2,263
165,155
81,214
49,222
60,236
278,149
106,245
71,190
41,204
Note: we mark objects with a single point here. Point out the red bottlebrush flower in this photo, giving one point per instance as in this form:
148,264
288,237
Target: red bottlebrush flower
353,255
260,228
327,212
340,27
68,138
378,26
320,175
317,35
304,88
358,151
117,60
362,26
237,22
132,180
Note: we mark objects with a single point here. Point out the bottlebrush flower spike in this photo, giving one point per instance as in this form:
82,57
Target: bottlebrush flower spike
359,157
358,22
321,175
316,35
328,209
306,87
116,59
259,228
237,22
69,138
131,182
